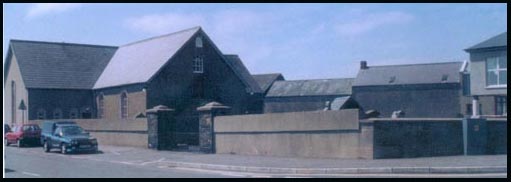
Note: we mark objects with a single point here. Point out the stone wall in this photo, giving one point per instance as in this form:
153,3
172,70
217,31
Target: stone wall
130,132
409,137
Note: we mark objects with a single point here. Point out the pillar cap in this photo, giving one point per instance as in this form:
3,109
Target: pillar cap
159,108
212,105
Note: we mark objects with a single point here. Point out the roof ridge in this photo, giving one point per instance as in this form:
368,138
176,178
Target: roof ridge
160,36
417,64
316,79
267,74
67,43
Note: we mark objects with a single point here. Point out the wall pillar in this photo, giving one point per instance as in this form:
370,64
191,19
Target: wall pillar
475,107
207,114
158,120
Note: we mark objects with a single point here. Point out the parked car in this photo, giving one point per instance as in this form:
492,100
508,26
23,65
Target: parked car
68,137
23,134
6,129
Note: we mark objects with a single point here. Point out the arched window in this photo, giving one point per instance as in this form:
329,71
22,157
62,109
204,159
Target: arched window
57,113
198,65
198,42
41,114
73,113
101,106
124,105
13,102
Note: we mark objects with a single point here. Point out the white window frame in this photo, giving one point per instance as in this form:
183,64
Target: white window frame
498,69
122,107
198,65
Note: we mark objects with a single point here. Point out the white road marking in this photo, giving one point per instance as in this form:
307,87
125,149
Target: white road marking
156,161
260,176
30,174
116,153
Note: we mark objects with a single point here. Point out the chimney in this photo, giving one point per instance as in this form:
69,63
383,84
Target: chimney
363,65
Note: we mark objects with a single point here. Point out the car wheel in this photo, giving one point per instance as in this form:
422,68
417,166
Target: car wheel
63,149
6,142
46,147
19,143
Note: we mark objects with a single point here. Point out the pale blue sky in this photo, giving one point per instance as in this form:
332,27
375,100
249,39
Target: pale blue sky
302,41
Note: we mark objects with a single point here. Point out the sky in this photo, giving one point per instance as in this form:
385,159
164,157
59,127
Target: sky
301,41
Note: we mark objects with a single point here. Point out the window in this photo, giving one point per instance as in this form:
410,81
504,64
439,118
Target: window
73,113
198,42
101,106
466,84
501,105
57,113
124,105
41,114
444,78
496,72
198,87
198,65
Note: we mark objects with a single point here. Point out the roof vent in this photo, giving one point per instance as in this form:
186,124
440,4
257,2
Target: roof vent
392,79
444,78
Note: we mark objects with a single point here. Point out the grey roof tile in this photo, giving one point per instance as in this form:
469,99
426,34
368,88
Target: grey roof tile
266,80
237,65
60,65
340,86
431,73
137,62
496,41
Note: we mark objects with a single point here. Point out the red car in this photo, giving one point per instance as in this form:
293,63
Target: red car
24,134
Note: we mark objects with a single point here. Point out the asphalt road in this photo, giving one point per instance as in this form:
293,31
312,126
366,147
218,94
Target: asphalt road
32,162
23,163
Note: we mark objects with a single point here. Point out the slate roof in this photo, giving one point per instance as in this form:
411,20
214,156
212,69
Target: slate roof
237,65
60,65
496,41
338,102
266,80
340,86
431,73
137,62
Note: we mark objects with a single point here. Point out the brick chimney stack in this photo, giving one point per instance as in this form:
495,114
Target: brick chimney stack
363,65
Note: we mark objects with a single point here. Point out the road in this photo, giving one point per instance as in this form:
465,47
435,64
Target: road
32,162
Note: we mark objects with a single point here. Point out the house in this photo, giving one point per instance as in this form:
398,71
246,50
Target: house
417,90
54,80
181,70
305,95
488,76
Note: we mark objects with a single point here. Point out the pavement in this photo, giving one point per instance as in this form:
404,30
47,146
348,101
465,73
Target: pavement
186,164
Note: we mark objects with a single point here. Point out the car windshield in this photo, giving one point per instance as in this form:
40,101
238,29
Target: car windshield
72,130
30,128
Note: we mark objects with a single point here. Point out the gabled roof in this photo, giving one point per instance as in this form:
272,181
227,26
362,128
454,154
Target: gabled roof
59,65
266,80
496,41
137,62
431,73
237,65
340,86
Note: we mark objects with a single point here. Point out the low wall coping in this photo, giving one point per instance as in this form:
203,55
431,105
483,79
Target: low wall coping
412,119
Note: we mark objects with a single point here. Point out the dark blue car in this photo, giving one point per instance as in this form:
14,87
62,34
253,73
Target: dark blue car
68,137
